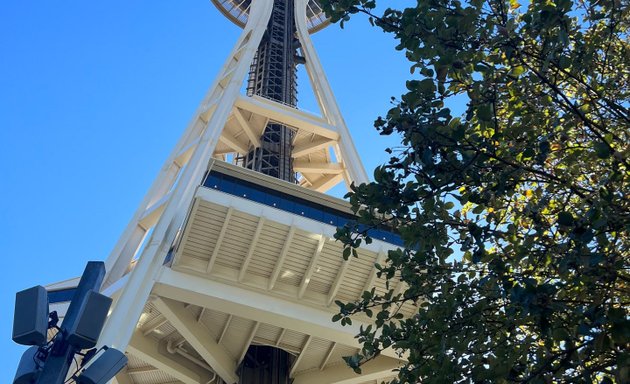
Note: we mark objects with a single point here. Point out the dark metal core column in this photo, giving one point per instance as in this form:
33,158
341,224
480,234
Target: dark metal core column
265,365
273,75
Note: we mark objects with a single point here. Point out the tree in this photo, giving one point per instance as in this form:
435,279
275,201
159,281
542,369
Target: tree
515,214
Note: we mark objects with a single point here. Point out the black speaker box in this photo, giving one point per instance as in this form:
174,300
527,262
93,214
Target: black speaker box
90,321
104,368
30,319
27,370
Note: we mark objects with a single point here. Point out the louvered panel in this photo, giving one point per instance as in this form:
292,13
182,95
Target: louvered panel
242,217
339,352
164,331
149,315
215,322
264,259
202,232
196,253
267,334
237,239
146,377
203,235
314,354
193,263
268,248
152,377
210,215
207,221
212,209
195,310
356,276
305,240
232,251
195,248
351,287
382,287
136,362
409,308
293,341
210,218
300,254
346,294
237,335
326,270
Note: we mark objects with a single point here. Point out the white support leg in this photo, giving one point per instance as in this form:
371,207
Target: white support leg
349,155
234,71
122,322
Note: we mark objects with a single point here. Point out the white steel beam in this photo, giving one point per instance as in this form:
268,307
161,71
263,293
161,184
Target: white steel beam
297,361
334,289
283,255
252,333
257,306
198,337
306,279
252,135
215,252
148,350
287,115
232,142
184,155
120,325
322,365
200,316
327,168
280,336
155,324
326,99
378,368
372,276
225,328
312,146
323,184
153,213
252,248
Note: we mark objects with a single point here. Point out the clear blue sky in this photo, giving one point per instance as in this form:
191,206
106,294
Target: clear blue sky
93,95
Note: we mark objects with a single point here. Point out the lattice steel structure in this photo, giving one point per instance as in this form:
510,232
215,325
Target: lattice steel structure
273,75
228,275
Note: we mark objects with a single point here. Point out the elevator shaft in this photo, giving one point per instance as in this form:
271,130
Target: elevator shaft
273,75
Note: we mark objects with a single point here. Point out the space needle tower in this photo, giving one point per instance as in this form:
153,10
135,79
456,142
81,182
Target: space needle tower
228,271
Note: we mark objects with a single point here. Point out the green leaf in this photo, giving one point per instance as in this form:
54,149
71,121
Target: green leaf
517,71
565,218
602,150
346,253
427,86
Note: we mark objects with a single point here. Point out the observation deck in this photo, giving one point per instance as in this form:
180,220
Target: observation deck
238,12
